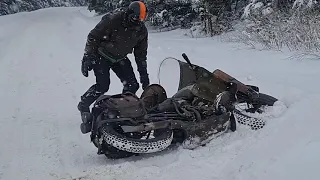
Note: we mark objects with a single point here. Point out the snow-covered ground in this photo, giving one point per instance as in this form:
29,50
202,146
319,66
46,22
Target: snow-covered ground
41,84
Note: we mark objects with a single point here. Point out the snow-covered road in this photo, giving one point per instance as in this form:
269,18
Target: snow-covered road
41,83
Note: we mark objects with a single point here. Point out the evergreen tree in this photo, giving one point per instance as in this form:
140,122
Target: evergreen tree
14,6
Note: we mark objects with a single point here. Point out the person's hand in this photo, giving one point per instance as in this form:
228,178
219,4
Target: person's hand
86,64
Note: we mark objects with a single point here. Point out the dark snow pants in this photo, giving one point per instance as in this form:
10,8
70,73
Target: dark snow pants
122,69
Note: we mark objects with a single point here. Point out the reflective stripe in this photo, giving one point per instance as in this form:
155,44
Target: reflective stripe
143,11
108,57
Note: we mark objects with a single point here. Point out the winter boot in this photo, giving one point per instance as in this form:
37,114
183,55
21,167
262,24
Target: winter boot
86,118
85,128
86,100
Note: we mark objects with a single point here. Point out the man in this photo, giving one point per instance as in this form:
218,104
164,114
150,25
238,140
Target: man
107,47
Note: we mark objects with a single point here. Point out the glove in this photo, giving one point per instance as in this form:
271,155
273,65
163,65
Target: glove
144,81
86,64
142,69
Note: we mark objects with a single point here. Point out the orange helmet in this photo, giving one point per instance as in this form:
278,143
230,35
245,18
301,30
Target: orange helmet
137,10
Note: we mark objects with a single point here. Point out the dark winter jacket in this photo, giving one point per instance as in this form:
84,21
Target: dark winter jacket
116,37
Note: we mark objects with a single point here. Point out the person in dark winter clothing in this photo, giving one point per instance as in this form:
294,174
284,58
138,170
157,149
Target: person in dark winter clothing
107,47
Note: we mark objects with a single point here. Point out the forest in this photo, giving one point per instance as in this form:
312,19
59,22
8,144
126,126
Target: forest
292,24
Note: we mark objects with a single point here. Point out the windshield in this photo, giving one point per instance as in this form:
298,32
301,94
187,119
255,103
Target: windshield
174,75
169,75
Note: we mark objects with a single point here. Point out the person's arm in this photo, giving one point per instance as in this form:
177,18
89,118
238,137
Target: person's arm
101,31
140,53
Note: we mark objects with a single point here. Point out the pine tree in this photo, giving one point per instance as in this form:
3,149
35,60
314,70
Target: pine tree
14,6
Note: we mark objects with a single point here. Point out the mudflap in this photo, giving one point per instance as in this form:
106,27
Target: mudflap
202,132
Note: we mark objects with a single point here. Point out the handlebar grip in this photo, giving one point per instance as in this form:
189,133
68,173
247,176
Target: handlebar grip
187,59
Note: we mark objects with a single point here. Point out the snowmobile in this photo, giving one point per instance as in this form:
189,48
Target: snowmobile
202,109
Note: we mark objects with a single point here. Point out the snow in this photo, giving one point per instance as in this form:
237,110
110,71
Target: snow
258,5
41,84
267,11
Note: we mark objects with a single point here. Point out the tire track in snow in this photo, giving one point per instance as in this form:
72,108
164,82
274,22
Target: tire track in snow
36,119
13,87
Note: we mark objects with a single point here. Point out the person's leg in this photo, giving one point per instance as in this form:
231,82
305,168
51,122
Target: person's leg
102,73
124,71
